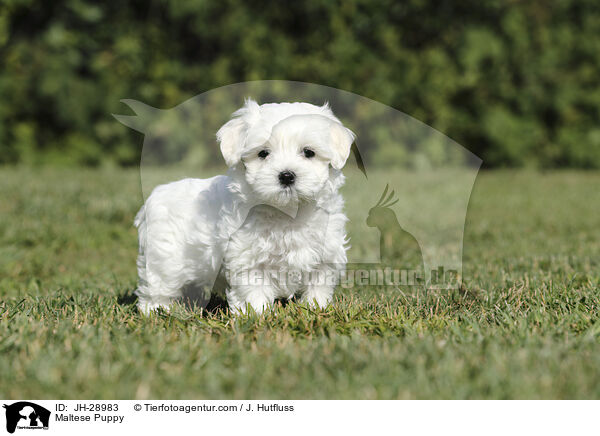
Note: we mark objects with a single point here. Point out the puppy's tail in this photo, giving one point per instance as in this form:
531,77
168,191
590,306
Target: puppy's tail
140,217
140,223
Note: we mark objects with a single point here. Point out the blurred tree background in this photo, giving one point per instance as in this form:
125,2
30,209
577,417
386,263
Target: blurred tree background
516,82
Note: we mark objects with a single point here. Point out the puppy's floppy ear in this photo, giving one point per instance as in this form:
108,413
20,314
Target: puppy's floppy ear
231,138
341,141
232,134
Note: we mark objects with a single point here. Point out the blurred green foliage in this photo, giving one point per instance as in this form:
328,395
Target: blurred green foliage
515,82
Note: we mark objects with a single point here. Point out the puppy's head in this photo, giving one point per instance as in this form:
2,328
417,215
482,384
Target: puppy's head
286,149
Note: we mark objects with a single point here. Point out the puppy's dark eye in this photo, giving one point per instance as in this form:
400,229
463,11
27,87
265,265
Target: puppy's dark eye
308,153
263,154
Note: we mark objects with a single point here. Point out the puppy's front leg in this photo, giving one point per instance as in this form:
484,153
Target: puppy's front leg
258,294
319,291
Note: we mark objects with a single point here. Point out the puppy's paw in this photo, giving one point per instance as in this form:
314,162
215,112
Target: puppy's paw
318,296
147,305
241,306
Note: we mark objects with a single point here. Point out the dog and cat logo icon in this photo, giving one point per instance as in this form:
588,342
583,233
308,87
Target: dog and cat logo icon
26,415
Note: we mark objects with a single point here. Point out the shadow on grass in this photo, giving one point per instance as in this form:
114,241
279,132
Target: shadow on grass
216,303
129,299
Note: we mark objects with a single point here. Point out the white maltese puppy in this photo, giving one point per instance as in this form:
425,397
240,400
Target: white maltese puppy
273,227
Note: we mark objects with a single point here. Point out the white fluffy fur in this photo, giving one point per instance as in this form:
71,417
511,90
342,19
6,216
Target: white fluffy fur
194,233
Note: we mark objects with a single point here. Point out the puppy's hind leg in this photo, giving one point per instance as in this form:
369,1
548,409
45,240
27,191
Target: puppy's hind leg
161,261
153,291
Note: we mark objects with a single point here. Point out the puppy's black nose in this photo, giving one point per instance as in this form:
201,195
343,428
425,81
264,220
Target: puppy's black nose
286,178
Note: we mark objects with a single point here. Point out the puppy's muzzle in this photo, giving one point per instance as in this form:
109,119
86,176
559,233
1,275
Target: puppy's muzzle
287,178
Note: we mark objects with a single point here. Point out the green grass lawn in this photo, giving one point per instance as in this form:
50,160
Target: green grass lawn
524,324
